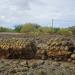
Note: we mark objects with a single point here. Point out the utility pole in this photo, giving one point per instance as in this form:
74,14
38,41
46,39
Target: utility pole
52,24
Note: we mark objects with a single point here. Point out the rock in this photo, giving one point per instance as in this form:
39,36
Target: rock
69,60
23,63
73,56
35,63
42,72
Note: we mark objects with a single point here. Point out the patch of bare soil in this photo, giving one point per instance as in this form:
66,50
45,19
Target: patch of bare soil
36,67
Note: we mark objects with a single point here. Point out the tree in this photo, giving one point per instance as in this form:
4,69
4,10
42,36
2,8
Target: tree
3,29
18,28
29,28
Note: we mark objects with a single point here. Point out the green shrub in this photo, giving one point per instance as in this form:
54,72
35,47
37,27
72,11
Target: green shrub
65,31
55,30
45,30
18,28
3,29
29,28
72,29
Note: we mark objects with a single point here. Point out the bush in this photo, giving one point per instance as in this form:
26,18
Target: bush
18,28
3,29
72,29
29,28
65,31
45,30
55,30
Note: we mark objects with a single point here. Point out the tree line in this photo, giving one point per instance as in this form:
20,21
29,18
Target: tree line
38,29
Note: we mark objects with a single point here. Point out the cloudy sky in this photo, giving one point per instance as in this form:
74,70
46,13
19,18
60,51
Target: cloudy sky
14,12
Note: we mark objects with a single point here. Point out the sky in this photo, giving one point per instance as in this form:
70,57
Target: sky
15,12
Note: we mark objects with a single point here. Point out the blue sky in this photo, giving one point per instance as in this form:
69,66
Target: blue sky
14,12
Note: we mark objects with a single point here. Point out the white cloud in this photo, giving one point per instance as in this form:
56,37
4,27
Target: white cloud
38,11
2,17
